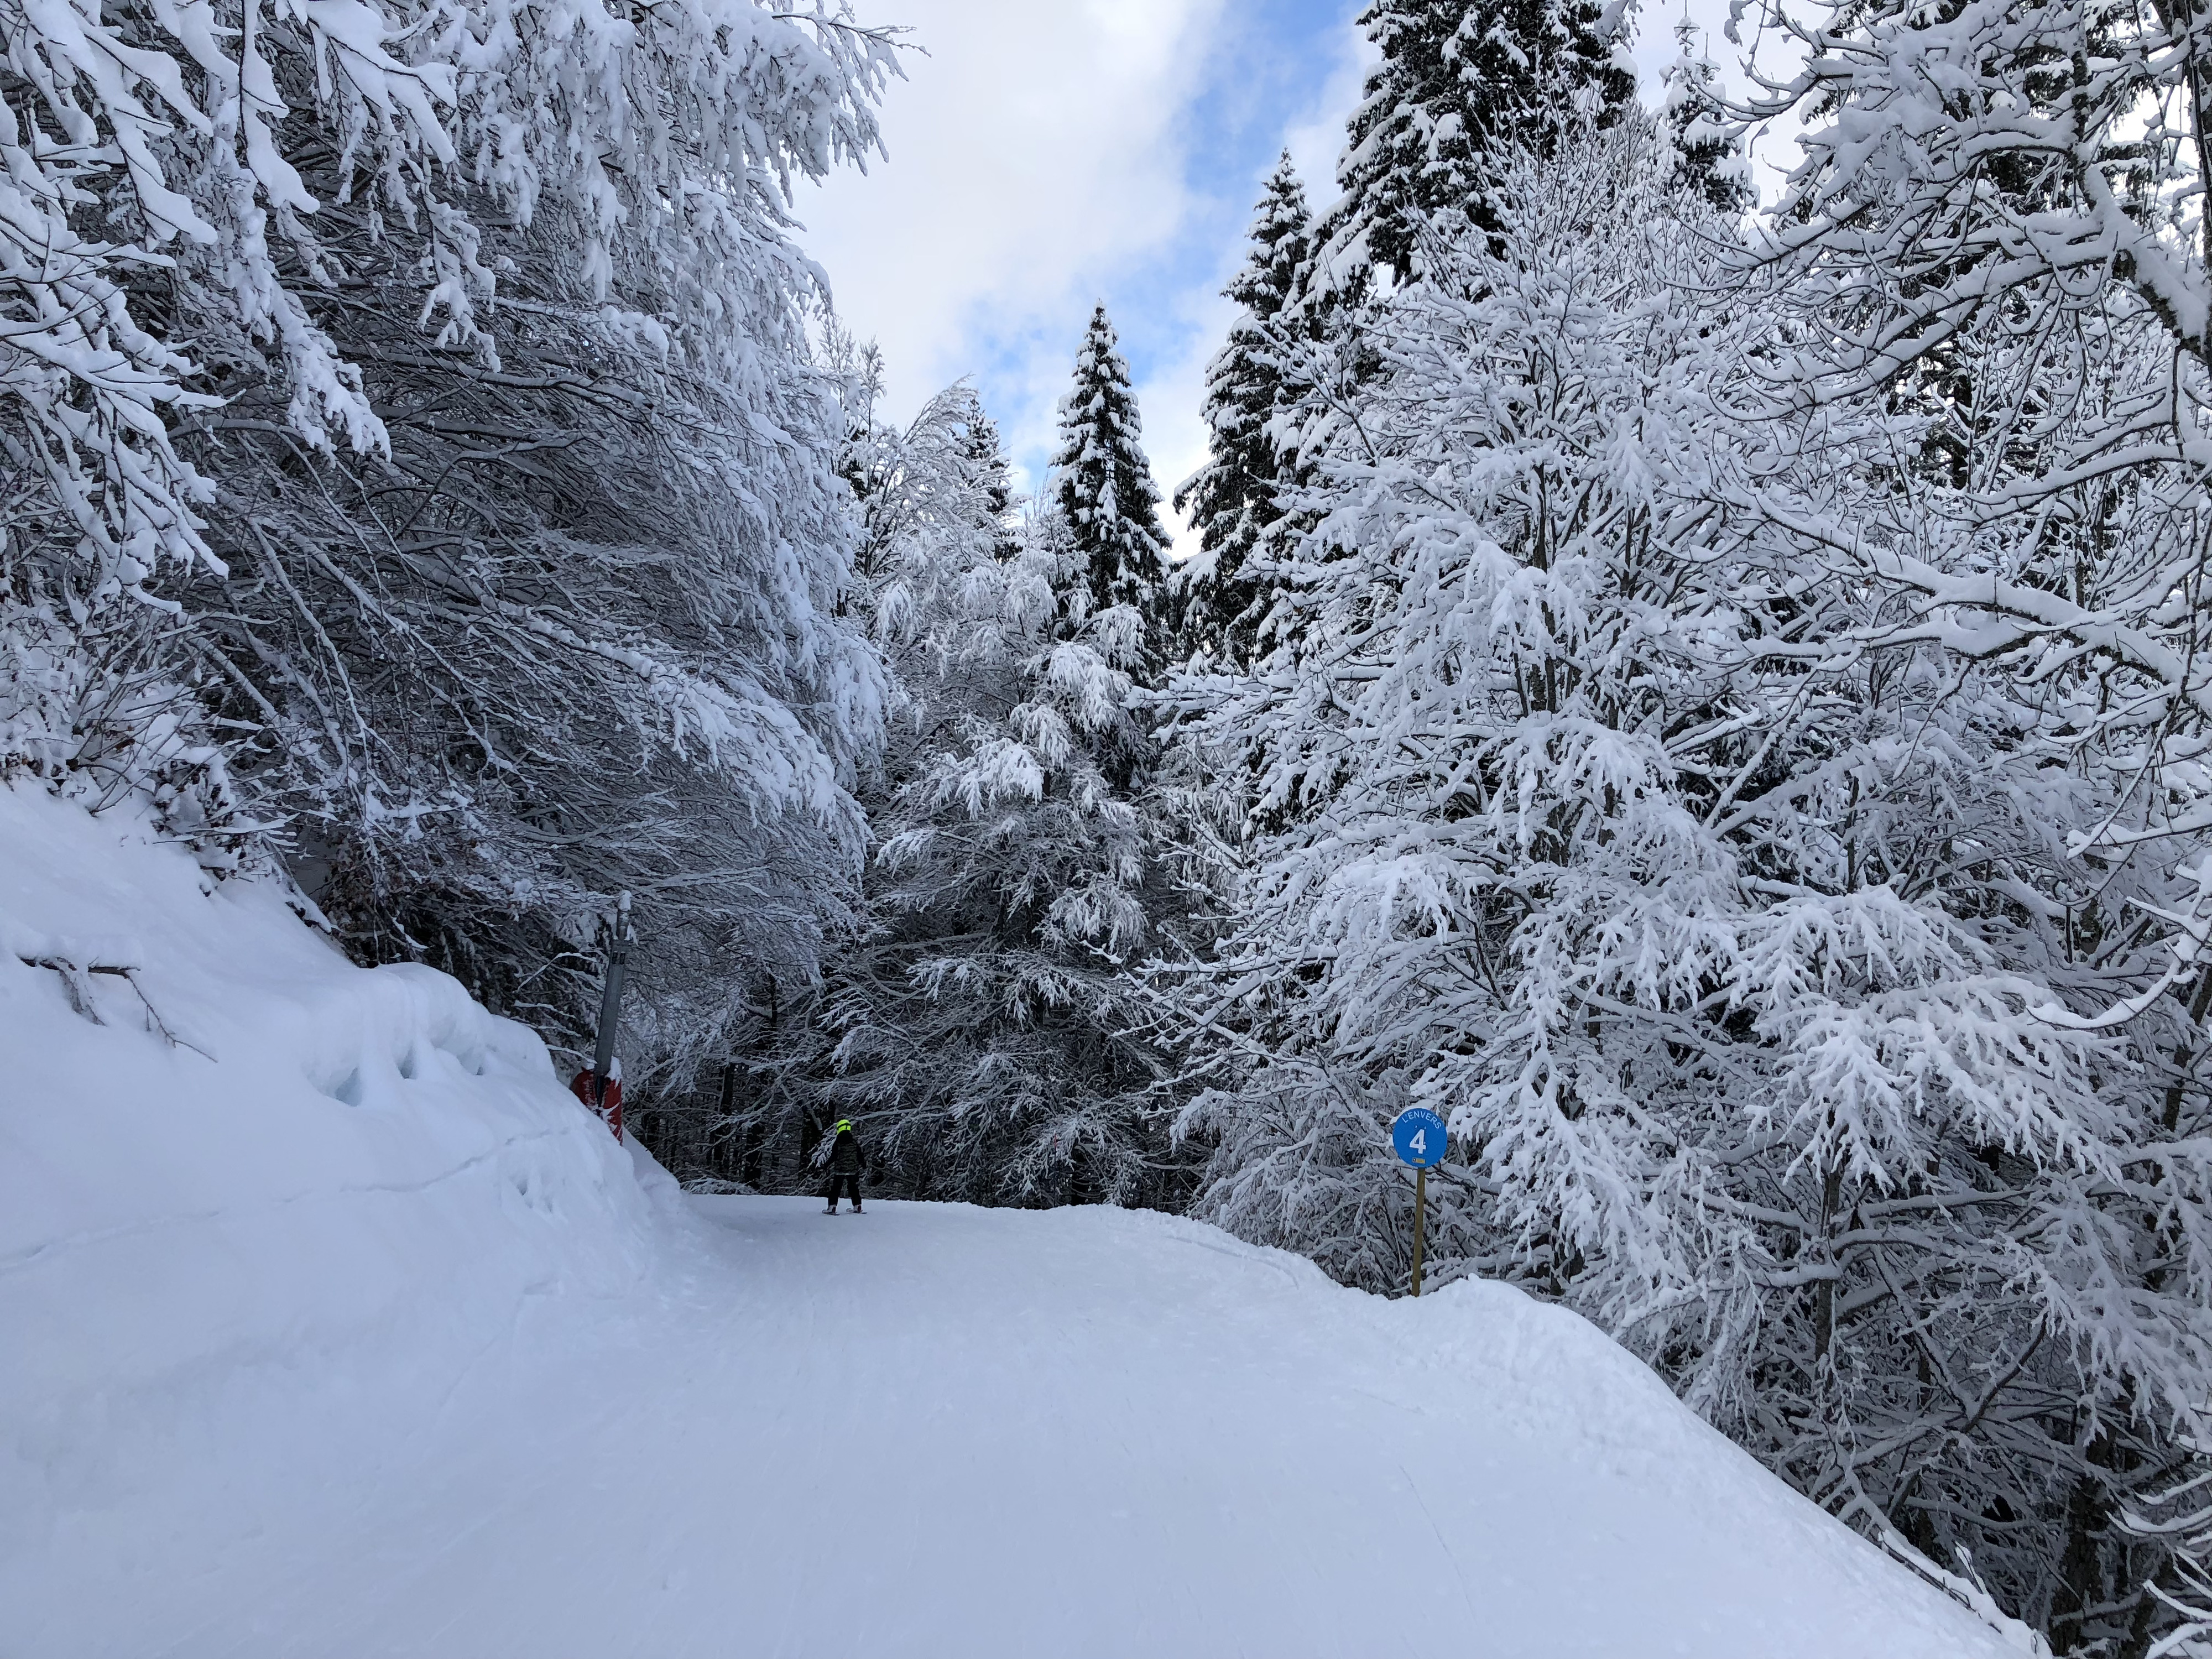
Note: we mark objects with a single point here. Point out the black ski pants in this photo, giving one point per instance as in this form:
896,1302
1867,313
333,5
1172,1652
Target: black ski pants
845,1181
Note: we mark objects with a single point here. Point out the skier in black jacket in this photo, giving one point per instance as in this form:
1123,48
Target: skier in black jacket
847,1164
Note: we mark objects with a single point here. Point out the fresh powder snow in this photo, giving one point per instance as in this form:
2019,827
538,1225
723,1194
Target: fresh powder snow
336,1326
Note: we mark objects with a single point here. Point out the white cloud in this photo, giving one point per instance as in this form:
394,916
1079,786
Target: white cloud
1035,157
1172,397
1047,152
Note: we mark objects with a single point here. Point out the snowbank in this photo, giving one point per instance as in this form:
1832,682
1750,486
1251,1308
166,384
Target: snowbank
316,1161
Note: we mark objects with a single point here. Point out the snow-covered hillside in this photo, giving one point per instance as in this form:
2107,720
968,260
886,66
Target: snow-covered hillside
335,1326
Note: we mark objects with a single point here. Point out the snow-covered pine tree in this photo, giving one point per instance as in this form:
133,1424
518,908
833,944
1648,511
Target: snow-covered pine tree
1103,485
986,451
1458,77
1738,932
1232,500
1711,150
980,1027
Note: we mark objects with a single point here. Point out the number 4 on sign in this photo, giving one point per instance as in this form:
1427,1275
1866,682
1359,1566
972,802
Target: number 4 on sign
1420,1137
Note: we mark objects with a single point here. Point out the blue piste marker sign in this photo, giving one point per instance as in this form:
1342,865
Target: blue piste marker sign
1419,1135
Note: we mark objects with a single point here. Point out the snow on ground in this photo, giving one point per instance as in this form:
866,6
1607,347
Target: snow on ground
363,1338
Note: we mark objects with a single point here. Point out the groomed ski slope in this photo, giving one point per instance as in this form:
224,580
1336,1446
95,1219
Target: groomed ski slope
361,1338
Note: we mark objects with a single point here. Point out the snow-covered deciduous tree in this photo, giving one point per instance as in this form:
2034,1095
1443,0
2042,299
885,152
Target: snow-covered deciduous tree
2000,215
169,173
576,633
1999,224
1102,484
1232,500
1741,937
446,370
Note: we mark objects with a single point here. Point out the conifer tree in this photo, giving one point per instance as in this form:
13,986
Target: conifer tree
1458,77
1232,499
1101,481
978,1024
986,451
1711,155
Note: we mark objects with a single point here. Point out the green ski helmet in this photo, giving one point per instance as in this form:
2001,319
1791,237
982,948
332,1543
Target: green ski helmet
842,1125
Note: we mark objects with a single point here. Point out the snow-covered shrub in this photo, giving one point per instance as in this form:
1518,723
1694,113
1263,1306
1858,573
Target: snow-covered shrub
2180,1515
93,714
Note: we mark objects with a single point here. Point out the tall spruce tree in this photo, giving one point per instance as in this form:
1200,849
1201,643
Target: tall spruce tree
987,451
1101,481
1458,77
1232,499
1711,152
978,1024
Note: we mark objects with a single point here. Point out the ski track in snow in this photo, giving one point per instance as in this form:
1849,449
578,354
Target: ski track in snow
939,1431
368,1341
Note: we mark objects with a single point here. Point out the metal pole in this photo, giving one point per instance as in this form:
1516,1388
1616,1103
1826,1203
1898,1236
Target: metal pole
610,990
1420,1217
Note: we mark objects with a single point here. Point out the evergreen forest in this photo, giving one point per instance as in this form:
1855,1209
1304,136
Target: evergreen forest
1709,689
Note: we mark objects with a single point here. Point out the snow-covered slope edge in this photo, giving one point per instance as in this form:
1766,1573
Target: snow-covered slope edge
334,1325
317,1161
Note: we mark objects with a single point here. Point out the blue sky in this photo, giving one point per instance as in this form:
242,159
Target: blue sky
1045,154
